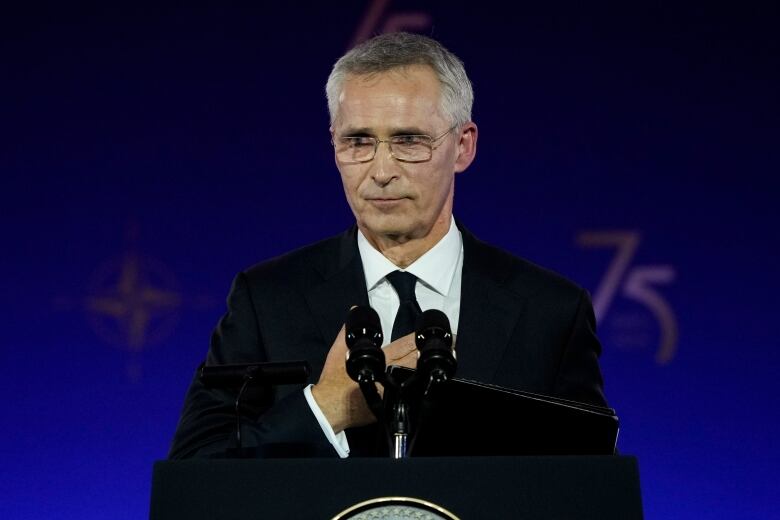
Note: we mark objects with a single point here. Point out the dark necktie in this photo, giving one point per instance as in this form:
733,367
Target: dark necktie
409,309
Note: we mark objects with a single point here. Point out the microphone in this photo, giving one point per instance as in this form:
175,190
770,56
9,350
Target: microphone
366,360
434,341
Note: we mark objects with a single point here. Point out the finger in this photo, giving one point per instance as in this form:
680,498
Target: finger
408,361
405,345
401,347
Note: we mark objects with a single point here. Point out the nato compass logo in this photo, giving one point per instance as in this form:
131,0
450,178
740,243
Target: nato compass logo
133,302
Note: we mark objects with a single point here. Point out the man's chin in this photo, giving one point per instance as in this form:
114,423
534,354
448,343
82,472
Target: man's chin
392,228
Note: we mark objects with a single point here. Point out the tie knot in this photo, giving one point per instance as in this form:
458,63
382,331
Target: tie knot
403,283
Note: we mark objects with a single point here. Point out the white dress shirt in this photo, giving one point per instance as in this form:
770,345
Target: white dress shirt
438,271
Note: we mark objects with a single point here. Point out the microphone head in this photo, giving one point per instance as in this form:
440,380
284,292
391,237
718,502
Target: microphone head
363,335
363,323
434,341
432,323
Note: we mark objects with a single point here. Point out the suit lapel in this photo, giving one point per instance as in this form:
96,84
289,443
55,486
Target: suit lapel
488,311
342,286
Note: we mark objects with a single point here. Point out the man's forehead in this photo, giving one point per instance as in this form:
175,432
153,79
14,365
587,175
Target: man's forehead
392,102
383,128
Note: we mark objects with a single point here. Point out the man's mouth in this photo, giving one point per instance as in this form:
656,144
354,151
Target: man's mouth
385,201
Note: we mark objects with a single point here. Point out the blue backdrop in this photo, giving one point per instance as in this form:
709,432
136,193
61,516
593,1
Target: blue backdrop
148,154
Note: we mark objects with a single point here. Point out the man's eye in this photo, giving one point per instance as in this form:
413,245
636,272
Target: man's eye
359,142
408,139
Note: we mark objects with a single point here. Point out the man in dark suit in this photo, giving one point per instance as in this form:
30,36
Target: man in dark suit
401,127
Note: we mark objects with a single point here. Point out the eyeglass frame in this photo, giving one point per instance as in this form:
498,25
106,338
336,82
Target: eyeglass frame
390,147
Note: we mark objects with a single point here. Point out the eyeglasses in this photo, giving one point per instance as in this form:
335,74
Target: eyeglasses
406,148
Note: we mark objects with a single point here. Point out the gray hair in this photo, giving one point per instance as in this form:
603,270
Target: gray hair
400,49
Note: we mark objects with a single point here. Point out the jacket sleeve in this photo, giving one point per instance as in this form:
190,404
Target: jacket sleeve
578,376
272,424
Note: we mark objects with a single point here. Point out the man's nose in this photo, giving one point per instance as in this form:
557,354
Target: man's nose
383,164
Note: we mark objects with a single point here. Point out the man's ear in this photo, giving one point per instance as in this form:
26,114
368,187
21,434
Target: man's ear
467,146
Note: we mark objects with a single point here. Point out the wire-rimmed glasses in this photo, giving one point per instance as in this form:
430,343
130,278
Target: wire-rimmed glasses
405,148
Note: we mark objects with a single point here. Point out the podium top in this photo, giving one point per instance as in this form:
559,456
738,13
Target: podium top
603,488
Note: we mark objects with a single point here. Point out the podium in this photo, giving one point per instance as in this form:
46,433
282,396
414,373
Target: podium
559,487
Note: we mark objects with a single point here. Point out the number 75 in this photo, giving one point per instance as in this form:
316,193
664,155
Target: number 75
634,284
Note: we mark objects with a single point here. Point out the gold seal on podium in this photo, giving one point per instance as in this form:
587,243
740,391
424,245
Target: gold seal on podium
395,508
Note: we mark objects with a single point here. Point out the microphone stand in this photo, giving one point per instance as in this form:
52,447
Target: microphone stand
366,365
249,376
400,430
398,423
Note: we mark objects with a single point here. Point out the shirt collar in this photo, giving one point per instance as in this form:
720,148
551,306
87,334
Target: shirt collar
435,268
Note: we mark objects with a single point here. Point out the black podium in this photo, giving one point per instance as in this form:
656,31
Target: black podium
562,487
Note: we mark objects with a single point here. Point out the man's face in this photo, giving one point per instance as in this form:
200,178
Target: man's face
392,199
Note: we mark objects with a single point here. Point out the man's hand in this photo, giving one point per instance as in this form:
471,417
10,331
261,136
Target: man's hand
339,397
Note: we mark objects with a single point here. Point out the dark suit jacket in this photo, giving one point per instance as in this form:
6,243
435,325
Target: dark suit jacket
520,326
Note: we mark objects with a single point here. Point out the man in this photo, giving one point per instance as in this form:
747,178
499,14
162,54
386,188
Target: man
400,108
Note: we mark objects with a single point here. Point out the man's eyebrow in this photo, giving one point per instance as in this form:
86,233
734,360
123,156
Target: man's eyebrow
409,130
357,132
